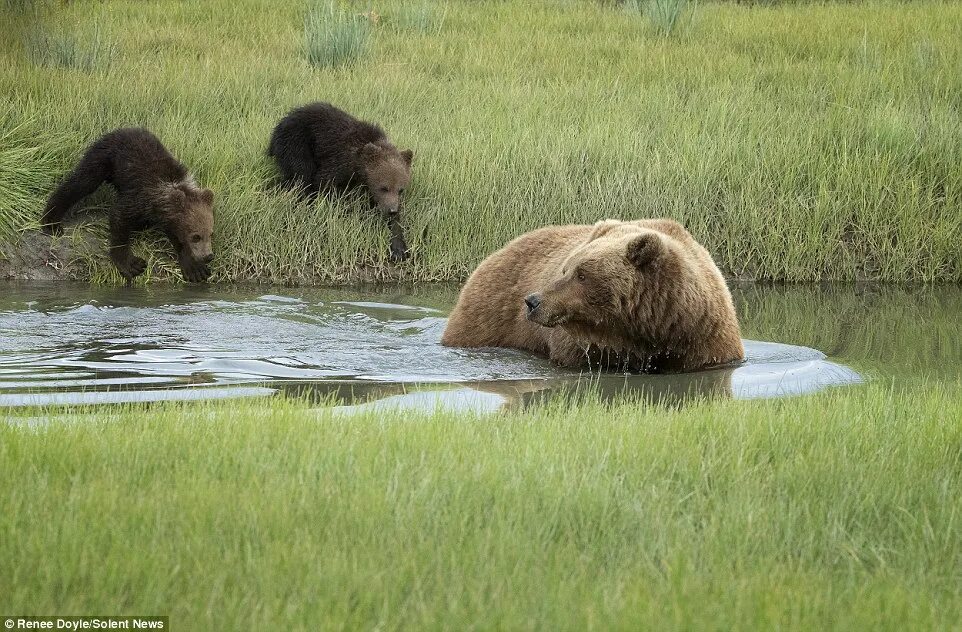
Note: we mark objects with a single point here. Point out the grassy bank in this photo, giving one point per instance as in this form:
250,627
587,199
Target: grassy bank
798,142
839,511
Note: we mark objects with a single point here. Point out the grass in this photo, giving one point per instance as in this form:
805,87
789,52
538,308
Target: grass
335,37
24,175
818,141
60,48
666,16
418,17
839,511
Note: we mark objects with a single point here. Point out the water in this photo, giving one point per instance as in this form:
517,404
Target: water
73,344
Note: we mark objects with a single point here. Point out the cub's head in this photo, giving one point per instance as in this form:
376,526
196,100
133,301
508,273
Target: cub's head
387,172
191,227
599,287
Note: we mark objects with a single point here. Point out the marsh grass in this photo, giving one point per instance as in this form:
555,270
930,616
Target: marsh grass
335,36
669,16
20,7
61,46
733,130
665,16
834,511
418,17
24,174
19,187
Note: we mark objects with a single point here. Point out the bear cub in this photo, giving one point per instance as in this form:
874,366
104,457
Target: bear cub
632,296
154,190
321,150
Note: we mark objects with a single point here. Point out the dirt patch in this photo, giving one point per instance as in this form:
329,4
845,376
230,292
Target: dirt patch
39,257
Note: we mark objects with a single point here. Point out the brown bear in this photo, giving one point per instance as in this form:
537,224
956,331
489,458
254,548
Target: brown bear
635,296
153,191
321,149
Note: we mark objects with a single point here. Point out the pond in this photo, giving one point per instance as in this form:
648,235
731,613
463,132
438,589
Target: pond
77,344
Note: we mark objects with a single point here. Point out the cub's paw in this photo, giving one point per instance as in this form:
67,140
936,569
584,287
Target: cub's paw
133,267
399,251
195,273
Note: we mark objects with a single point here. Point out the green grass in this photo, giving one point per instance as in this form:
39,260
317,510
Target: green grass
334,37
666,16
838,511
24,174
423,16
66,49
805,142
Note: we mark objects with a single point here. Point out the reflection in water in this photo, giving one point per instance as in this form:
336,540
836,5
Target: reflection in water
378,347
770,370
879,330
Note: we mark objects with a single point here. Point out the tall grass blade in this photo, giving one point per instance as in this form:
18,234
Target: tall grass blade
334,37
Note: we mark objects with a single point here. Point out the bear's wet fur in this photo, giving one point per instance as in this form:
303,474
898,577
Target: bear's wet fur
320,149
633,296
154,190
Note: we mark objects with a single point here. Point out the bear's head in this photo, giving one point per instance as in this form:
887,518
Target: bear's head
190,225
387,172
626,285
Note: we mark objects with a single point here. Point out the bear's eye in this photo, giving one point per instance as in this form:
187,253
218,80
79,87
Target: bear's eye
195,238
384,189
581,276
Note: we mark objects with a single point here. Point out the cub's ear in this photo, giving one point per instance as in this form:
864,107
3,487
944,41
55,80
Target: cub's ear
644,249
178,196
207,197
369,152
603,227
408,156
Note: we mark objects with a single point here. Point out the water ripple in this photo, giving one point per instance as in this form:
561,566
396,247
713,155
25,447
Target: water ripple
127,347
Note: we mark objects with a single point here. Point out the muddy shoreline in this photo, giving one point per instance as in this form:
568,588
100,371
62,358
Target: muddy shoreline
39,257
80,255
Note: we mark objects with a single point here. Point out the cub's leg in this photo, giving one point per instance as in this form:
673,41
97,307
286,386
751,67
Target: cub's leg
399,247
127,264
93,170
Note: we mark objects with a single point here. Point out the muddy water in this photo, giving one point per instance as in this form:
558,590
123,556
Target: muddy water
67,344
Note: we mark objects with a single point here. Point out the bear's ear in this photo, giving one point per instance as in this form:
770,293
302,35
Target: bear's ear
178,196
603,227
644,249
207,197
408,156
369,152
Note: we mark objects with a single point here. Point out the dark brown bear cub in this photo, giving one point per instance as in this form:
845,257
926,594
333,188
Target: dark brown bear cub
321,149
153,191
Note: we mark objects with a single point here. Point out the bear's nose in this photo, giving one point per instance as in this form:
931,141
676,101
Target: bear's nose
532,301
208,258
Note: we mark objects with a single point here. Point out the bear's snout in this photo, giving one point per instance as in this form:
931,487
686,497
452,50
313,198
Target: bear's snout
207,258
386,210
532,301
